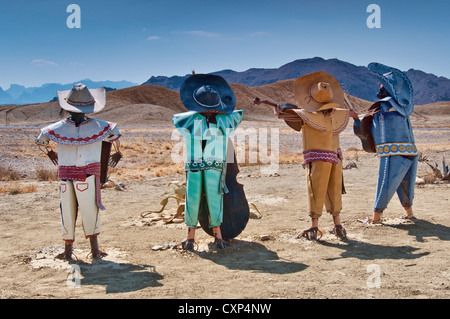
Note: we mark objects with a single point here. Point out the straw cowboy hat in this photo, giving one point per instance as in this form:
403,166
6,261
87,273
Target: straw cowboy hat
80,99
318,91
397,84
207,92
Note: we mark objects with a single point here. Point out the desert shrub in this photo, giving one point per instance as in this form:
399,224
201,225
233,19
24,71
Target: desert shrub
45,174
8,174
16,188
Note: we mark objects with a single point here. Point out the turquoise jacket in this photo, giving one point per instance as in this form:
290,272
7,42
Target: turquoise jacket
195,129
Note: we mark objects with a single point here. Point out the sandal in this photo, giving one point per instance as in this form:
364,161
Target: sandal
408,217
67,254
310,234
220,244
97,254
187,244
339,231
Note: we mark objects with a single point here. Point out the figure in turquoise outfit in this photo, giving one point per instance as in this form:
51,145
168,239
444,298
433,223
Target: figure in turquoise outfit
206,127
393,140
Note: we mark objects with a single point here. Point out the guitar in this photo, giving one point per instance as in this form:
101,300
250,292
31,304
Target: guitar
276,106
291,120
362,128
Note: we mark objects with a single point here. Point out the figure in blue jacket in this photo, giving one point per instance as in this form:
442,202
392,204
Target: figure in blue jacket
393,138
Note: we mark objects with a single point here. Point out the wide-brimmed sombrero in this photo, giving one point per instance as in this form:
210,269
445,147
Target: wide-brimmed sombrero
397,84
318,91
207,93
80,99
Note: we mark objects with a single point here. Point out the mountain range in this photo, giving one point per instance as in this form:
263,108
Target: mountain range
356,80
19,94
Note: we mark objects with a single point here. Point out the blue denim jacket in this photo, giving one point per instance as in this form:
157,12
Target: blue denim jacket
392,132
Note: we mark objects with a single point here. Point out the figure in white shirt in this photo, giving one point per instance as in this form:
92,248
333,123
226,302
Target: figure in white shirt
81,164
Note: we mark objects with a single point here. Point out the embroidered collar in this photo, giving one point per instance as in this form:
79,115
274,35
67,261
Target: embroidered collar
90,131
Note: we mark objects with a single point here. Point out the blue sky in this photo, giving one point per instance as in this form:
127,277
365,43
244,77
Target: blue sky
135,39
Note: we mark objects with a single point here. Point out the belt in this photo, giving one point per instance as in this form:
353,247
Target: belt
80,173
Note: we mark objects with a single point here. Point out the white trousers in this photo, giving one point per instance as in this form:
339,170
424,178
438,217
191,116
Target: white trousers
79,196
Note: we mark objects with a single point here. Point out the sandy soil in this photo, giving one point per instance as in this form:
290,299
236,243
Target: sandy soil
411,259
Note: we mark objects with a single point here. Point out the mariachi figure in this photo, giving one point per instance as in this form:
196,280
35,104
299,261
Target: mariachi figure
81,144
393,140
213,197
321,118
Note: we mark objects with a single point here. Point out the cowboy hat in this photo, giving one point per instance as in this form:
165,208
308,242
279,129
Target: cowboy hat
80,99
397,84
318,91
207,92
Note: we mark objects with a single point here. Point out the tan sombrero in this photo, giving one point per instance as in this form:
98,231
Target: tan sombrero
80,99
318,91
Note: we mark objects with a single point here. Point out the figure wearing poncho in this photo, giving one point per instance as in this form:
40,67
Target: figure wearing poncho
79,151
320,118
322,157
79,142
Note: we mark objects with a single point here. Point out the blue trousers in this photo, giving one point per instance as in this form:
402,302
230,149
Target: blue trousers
397,174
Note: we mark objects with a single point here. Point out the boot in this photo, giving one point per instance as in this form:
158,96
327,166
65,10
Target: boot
95,251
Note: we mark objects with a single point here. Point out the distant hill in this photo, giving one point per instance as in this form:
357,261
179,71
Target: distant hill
357,80
19,94
148,106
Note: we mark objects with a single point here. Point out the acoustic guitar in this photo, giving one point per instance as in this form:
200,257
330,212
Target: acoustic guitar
362,128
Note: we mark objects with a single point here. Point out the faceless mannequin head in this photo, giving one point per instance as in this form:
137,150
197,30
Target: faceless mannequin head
382,93
78,118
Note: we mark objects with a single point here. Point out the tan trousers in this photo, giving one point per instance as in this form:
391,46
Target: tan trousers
79,196
324,183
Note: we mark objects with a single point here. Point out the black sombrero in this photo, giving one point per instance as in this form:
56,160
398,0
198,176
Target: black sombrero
207,93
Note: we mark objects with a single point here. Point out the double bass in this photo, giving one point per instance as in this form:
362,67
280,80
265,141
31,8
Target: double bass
236,210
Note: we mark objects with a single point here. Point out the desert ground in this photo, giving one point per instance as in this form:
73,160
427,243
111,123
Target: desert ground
395,260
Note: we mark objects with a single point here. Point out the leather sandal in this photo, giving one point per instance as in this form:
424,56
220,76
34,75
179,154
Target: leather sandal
310,234
96,253
220,244
187,244
68,252
408,217
339,231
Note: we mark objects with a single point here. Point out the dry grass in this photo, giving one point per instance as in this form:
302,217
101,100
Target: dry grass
17,188
45,174
146,158
8,174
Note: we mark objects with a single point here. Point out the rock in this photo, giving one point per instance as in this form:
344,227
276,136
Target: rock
420,181
350,165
